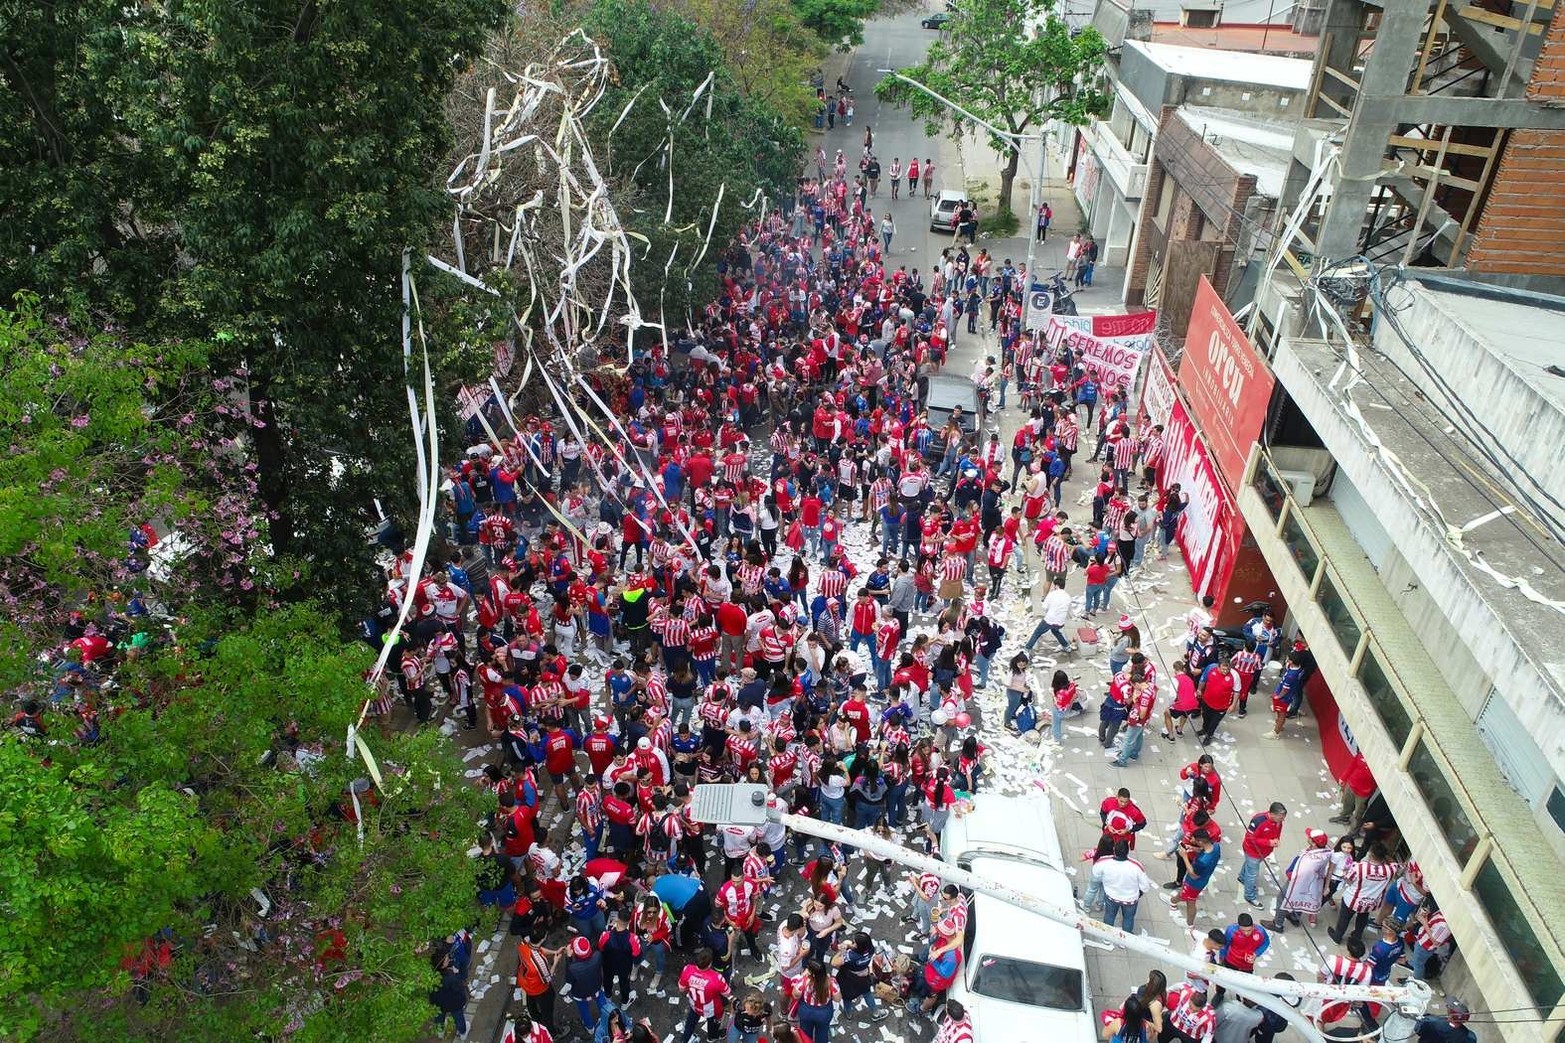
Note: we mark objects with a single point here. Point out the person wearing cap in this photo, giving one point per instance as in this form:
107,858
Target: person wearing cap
584,978
1452,1028
1304,886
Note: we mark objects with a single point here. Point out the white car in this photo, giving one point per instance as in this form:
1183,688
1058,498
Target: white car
942,210
1024,977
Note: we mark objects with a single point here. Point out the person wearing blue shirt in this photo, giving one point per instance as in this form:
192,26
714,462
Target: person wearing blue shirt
1386,954
891,518
673,482
1198,869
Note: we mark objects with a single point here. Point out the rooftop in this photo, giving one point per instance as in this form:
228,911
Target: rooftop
1528,340
1495,540
1250,144
1201,63
1262,39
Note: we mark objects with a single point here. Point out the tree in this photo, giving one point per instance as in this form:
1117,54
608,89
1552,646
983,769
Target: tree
194,797
214,765
256,169
1011,76
768,49
839,23
113,446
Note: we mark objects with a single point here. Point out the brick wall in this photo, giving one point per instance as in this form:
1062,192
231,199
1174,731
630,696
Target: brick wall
1522,228
1149,240
1209,194
1548,72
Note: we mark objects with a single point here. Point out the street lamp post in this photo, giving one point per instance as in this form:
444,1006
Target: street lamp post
1017,141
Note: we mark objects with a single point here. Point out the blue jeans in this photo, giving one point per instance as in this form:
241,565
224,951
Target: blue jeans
1051,628
1013,702
981,662
1130,743
855,639
831,808
1125,911
896,803
683,708
589,1007
1094,896
457,1016
1108,591
1095,597
1248,874
1056,724
590,926
815,1022
890,540
882,669
657,952
1418,958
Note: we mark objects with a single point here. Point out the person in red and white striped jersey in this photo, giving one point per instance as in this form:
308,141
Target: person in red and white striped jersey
1188,1018
1364,887
955,1027
833,582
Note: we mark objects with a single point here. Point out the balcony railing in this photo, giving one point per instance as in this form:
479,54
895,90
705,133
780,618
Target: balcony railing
1129,176
1487,874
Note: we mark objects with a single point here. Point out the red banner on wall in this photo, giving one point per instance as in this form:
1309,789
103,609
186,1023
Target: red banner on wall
1225,381
1212,526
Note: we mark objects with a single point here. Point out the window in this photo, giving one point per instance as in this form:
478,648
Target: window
1384,699
1165,200
1441,797
1270,488
1511,922
1299,545
1339,615
1023,981
1556,806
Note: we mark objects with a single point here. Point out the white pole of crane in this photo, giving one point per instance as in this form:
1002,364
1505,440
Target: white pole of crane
1408,1001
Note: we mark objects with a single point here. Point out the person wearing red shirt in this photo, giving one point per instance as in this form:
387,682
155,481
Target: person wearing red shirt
1244,943
862,618
1261,836
599,747
1358,785
1219,688
855,711
704,988
740,899
1121,819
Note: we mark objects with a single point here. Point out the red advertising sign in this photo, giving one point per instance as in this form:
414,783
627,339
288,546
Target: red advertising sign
1135,324
1212,526
1225,381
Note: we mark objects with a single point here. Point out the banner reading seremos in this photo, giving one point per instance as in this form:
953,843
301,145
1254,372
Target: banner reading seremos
1111,344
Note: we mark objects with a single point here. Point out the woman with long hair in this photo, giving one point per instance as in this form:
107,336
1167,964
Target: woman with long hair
938,797
818,997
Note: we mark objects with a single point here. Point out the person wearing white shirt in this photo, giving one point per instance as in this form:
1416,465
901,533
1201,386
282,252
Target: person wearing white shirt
1124,881
1056,610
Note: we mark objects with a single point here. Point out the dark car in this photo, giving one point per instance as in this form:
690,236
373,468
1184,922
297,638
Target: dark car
936,21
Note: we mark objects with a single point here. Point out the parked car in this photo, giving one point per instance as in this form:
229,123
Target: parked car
943,208
937,20
1024,976
944,395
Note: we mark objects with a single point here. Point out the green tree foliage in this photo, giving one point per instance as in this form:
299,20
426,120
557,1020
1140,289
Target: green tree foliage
254,168
106,435
769,51
1014,64
745,145
191,793
192,799
840,23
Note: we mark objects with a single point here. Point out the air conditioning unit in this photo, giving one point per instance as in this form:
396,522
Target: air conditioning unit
1301,485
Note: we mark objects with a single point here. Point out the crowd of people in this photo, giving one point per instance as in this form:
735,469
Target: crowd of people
765,562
